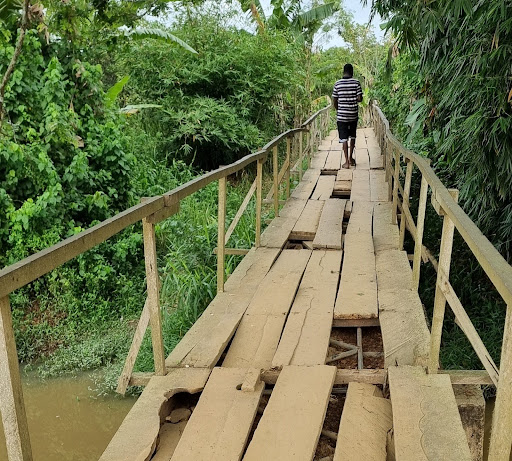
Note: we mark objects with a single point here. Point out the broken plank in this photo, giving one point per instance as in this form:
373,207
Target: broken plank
385,233
220,424
357,295
318,161
378,186
136,438
365,422
168,439
360,186
328,234
258,334
203,344
305,338
306,226
426,421
290,426
393,270
324,187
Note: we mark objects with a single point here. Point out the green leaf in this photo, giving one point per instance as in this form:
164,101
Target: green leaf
134,108
114,90
157,34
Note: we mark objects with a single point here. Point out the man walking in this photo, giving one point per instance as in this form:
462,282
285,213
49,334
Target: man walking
346,96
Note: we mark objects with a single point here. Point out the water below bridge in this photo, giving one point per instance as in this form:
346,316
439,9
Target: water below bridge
68,420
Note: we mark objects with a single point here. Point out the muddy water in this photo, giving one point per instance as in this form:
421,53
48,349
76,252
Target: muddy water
67,419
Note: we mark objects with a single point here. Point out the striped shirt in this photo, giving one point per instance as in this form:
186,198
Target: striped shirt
347,90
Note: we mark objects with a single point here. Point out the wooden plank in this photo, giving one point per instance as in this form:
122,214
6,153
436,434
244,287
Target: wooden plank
324,187
362,159
153,296
343,376
12,405
258,334
207,338
344,175
307,185
405,335
333,161
293,208
220,424
318,161
361,218
277,232
124,378
357,295
306,335
306,226
378,186
386,235
168,439
426,419
360,186
136,438
393,269
360,141
376,158
328,234
365,422
354,323
290,426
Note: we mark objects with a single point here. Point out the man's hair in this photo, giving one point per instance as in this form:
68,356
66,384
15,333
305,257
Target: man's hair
349,70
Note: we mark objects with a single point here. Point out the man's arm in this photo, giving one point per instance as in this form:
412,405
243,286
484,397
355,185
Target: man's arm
335,103
359,93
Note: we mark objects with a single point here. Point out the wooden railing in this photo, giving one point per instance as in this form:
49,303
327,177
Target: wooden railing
495,266
150,211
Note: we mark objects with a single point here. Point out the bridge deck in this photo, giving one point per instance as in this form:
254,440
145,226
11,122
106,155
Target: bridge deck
326,295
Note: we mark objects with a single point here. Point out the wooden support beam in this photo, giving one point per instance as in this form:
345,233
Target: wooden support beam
142,325
405,204
233,251
501,432
12,406
221,234
240,211
445,257
287,164
153,299
301,156
465,324
359,349
419,234
343,376
276,181
396,181
259,196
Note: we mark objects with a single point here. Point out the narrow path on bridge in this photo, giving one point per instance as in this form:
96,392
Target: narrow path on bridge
326,301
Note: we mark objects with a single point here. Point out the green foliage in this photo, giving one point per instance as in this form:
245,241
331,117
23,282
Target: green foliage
217,106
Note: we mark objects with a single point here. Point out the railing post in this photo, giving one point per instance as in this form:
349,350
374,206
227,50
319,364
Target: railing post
288,160
387,161
276,181
221,235
301,134
395,186
420,224
153,288
309,148
405,202
501,431
12,406
259,187
445,256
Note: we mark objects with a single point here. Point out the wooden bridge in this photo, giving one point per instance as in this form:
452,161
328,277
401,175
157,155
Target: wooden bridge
317,346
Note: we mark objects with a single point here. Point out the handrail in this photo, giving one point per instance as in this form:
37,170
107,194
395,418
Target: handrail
27,270
493,263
